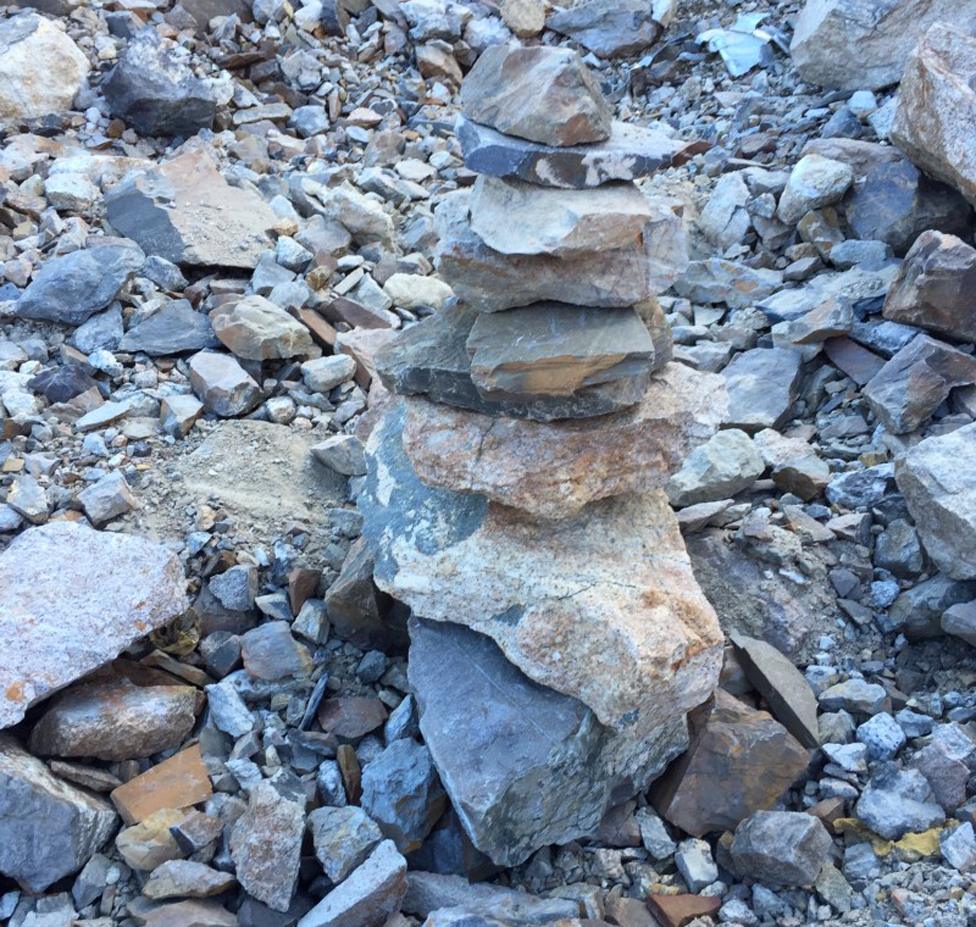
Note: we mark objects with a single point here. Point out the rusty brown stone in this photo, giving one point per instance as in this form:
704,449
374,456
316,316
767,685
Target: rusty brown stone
178,782
352,775
678,910
351,717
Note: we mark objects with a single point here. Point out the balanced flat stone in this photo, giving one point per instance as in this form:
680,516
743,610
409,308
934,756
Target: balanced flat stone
551,470
631,152
184,211
603,607
431,359
515,217
71,599
491,281
544,94
551,349
524,766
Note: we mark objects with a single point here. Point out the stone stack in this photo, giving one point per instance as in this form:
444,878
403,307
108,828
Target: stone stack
514,497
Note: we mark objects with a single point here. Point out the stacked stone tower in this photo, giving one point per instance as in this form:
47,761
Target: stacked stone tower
514,499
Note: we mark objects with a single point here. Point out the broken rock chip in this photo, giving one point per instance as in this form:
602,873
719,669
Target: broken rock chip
50,829
184,211
631,152
495,735
540,93
222,384
178,782
781,847
256,329
491,281
515,217
939,486
936,111
552,597
41,69
905,393
115,720
613,28
64,616
762,386
551,470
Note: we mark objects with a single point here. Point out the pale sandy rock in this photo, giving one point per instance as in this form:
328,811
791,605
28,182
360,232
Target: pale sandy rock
413,290
551,470
256,329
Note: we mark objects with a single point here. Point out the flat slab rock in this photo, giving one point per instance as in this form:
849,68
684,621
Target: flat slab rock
491,281
631,152
762,386
551,470
184,211
496,736
71,599
603,607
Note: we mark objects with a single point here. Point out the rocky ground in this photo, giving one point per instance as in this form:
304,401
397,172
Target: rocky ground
218,245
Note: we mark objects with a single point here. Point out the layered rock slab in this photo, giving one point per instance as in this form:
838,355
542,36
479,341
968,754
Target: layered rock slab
629,153
551,470
63,616
602,607
525,766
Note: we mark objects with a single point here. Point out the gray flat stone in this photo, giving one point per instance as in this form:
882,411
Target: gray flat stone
175,328
761,385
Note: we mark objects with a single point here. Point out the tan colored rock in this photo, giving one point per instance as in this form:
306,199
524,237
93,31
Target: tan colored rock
603,606
936,117
150,843
553,469
256,329
178,782
526,18
796,467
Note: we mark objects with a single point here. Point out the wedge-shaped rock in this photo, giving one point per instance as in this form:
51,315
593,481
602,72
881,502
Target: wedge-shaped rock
491,281
631,152
936,116
71,599
551,349
431,359
551,470
603,607
256,329
183,210
613,28
515,217
524,766
939,484
541,93
50,829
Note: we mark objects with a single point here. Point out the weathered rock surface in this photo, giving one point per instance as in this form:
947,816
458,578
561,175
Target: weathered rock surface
940,489
613,28
631,152
256,329
50,829
898,801
515,217
222,384
781,847
65,616
761,384
184,211
937,105
857,44
32,49
794,465
724,465
739,761
343,838
814,182
551,598
173,329
934,286
539,93
115,720
496,736
551,470
491,281
905,393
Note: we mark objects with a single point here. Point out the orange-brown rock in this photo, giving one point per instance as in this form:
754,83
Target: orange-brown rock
678,910
178,782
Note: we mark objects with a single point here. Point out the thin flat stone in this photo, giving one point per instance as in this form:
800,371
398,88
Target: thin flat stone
175,328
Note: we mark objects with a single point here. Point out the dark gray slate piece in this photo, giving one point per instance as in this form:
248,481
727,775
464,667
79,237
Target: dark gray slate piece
175,328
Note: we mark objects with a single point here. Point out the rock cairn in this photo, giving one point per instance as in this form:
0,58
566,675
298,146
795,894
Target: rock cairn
514,497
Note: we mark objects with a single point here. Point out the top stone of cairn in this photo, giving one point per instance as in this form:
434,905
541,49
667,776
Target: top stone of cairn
542,94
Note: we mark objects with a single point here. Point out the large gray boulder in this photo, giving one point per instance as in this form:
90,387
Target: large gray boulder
858,44
524,766
781,847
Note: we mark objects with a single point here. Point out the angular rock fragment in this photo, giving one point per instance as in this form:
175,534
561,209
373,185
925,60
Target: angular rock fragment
937,104
551,470
32,51
64,616
896,802
739,761
178,782
939,486
795,466
491,281
343,838
541,93
50,829
515,217
716,280
222,384
270,652
934,287
781,847
183,878
150,843
184,211
256,329
613,28
631,152
534,587
761,384
495,735
156,93
107,499
721,467
177,327
814,182
905,393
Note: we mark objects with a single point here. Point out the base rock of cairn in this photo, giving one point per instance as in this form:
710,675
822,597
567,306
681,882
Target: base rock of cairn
514,495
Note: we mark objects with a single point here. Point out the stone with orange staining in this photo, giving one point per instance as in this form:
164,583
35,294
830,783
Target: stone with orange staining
179,782
71,600
678,910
